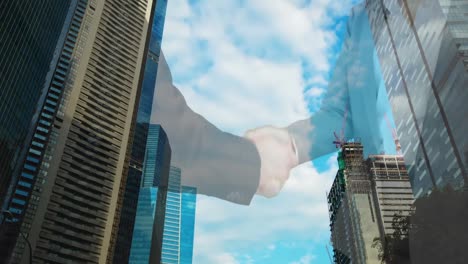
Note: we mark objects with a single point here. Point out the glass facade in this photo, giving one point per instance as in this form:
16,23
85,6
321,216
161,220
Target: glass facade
36,154
172,221
427,89
456,12
148,227
179,223
424,73
165,217
33,67
30,38
144,223
187,230
132,186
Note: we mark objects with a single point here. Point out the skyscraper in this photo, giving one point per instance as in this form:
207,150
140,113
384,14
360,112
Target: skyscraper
80,150
31,36
457,22
427,89
353,222
33,77
363,200
138,147
179,222
391,189
165,217
187,223
147,240
172,228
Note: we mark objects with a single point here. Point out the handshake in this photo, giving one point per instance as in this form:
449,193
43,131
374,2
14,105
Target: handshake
278,155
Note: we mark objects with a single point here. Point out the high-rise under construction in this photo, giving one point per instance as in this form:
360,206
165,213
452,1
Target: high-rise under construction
364,198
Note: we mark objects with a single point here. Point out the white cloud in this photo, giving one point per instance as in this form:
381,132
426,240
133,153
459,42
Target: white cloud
232,59
223,258
319,80
299,213
307,259
315,92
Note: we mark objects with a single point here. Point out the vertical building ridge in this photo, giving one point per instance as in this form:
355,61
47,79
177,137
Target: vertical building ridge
76,189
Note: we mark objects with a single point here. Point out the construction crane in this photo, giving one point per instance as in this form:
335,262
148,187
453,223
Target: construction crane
340,141
394,134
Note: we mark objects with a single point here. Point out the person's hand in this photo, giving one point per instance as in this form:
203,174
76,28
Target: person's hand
278,156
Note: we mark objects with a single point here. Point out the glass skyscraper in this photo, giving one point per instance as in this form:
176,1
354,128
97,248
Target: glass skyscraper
188,208
150,212
425,77
31,36
172,228
34,61
165,218
179,222
457,22
137,151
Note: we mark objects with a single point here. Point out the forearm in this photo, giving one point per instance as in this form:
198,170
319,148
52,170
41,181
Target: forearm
314,136
227,167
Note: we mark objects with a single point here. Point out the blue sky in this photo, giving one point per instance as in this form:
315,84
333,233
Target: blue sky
243,64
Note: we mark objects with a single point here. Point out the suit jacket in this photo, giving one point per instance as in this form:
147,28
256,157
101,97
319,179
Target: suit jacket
217,163
226,166
355,101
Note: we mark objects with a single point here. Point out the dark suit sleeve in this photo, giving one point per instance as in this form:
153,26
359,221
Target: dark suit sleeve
217,163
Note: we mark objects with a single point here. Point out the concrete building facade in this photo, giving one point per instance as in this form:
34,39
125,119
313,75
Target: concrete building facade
76,188
140,137
363,201
391,189
353,219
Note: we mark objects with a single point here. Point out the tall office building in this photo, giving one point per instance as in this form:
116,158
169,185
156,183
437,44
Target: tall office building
171,235
146,244
187,223
165,218
32,59
456,12
391,189
353,220
179,222
137,152
31,36
363,201
427,89
67,194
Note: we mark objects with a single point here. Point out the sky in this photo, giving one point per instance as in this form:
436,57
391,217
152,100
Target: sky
244,64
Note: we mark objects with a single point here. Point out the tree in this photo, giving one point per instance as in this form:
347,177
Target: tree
394,248
435,232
